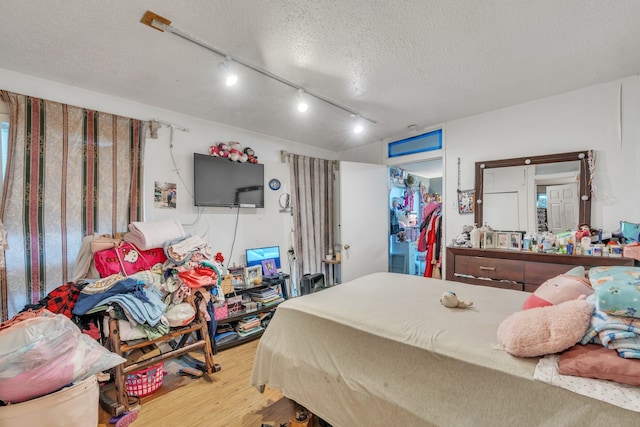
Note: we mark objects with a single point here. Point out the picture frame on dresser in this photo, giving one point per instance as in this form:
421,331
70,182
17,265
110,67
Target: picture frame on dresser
515,240
502,240
489,240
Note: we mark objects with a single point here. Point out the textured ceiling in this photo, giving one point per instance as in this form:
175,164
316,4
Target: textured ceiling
399,62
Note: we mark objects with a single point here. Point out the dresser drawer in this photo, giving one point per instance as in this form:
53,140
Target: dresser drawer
492,268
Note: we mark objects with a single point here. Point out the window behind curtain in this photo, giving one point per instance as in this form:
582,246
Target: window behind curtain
4,140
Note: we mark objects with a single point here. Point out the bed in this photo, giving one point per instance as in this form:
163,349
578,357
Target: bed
381,350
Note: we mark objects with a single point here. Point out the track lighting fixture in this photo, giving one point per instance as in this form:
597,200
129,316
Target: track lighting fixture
302,105
357,124
230,77
162,24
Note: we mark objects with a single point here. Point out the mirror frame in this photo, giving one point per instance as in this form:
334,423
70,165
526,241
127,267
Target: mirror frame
584,213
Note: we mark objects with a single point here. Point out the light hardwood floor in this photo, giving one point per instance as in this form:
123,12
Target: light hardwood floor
227,401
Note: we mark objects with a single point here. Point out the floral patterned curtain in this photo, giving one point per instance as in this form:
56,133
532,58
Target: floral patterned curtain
70,172
312,204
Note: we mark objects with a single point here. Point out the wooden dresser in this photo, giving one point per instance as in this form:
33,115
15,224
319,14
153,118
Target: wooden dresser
512,269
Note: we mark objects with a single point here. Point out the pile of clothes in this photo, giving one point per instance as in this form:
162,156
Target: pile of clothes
616,318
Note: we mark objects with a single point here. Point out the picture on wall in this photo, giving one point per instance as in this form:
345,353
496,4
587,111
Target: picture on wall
466,201
164,195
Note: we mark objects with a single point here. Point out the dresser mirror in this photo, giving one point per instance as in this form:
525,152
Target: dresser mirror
535,193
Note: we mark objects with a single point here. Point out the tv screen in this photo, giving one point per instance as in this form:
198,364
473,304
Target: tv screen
255,256
220,182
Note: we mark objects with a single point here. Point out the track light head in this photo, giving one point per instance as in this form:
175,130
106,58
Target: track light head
230,78
357,124
302,105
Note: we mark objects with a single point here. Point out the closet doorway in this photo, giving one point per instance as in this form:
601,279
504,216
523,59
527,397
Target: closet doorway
415,203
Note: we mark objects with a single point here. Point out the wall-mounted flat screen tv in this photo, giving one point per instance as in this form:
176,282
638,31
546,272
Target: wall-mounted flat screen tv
220,182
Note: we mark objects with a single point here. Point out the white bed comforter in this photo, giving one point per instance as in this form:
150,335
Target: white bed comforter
381,350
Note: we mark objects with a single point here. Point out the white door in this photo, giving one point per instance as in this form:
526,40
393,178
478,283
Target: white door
364,219
562,207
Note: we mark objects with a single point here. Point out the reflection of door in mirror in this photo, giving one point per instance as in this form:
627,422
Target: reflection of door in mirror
562,207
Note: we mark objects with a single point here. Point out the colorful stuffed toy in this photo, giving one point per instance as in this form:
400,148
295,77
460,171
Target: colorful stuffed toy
251,155
223,149
564,287
235,152
450,299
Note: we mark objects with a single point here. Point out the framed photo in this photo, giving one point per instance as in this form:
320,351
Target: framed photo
489,240
237,275
252,273
269,267
515,240
466,201
502,240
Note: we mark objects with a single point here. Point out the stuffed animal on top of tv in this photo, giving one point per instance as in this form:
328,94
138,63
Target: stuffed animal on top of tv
251,155
220,149
235,152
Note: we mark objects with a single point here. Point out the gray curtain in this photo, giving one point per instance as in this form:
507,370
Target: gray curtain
312,182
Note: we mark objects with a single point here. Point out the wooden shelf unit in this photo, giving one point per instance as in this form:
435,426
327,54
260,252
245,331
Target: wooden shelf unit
120,403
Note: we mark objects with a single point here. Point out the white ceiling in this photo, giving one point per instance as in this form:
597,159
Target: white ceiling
400,62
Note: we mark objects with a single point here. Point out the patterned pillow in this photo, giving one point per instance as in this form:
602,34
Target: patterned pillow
630,230
617,290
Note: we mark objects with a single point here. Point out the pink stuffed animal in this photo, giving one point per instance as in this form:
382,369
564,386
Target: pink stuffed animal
223,150
561,288
214,151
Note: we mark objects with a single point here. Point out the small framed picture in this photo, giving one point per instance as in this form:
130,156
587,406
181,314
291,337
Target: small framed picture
466,201
502,240
515,240
237,277
251,274
269,267
489,240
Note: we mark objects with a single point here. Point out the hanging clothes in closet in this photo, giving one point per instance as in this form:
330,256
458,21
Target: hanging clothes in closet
430,239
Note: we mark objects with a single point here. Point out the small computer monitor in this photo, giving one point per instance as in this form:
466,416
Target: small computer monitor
255,256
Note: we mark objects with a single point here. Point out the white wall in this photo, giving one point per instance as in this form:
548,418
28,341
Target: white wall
604,118
256,227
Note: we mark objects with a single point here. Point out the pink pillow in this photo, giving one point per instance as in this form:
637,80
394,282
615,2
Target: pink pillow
559,289
595,361
545,330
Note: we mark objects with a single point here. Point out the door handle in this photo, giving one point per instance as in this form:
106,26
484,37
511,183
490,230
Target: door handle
346,246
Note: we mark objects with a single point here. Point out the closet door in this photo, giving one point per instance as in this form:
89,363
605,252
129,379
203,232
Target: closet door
364,219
